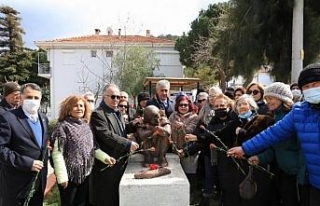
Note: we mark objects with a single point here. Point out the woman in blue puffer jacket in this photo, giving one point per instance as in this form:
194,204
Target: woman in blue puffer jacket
286,154
304,122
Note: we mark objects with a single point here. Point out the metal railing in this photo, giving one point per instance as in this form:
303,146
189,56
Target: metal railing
44,68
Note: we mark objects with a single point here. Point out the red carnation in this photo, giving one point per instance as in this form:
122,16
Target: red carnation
153,166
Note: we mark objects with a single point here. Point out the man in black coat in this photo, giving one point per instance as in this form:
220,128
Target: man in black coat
23,137
110,134
161,99
11,97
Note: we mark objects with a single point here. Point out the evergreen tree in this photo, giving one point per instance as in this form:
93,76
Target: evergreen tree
250,33
262,35
14,60
197,51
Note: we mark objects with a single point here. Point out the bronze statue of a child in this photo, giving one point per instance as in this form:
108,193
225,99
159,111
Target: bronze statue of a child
155,132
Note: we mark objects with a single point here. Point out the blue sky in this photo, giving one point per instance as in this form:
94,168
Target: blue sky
52,19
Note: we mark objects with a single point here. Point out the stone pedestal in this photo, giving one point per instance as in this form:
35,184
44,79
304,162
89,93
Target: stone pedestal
168,190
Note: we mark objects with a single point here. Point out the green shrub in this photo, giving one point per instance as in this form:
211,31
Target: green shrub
53,198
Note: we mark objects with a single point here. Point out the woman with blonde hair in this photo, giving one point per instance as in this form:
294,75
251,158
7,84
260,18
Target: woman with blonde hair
223,110
74,151
206,113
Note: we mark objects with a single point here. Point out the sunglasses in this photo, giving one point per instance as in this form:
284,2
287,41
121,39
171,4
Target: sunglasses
254,92
113,96
201,100
124,106
183,105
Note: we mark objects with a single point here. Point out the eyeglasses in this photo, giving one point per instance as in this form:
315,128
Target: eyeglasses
183,105
212,96
90,100
113,96
124,106
254,92
201,100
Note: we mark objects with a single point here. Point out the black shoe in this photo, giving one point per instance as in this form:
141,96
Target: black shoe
204,201
217,196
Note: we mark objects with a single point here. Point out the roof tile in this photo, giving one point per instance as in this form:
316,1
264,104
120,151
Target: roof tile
97,38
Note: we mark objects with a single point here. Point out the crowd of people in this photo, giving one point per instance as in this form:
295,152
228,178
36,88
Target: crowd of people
270,133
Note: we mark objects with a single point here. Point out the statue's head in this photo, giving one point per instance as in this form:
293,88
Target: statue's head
151,115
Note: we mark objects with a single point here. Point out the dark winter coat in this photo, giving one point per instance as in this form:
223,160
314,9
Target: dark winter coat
156,102
287,152
110,133
18,150
230,176
4,106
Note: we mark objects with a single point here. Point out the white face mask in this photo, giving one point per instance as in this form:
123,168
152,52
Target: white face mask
296,93
31,105
312,95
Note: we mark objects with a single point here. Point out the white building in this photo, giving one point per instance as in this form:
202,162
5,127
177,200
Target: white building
80,64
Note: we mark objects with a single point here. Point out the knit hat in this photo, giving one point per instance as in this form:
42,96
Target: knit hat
10,87
310,73
280,91
143,96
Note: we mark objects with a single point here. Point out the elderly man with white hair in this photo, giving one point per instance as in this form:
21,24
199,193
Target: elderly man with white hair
161,99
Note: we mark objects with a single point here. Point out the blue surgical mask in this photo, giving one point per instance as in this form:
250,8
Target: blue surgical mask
245,115
312,95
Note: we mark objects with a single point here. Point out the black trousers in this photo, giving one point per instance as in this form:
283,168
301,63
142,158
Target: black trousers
36,200
106,184
304,194
288,189
75,194
314,197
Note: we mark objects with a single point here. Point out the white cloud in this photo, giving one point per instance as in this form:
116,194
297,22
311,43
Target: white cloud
50,19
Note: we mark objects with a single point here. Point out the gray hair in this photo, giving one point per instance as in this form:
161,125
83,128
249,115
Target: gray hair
249,99
31,85
214,91
203,95
87,94
162,83
107,86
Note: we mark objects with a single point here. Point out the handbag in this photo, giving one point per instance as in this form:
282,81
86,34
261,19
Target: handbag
248,187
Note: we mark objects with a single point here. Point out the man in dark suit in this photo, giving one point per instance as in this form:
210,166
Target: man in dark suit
23,136
110,134
161,99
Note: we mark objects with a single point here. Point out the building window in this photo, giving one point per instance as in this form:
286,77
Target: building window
109,53
93,53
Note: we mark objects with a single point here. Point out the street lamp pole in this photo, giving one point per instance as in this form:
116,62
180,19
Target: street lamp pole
297,40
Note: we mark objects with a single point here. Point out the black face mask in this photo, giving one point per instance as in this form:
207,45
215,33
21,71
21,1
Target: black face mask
223,112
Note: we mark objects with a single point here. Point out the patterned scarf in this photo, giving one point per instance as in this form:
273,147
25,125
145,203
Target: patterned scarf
75,139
